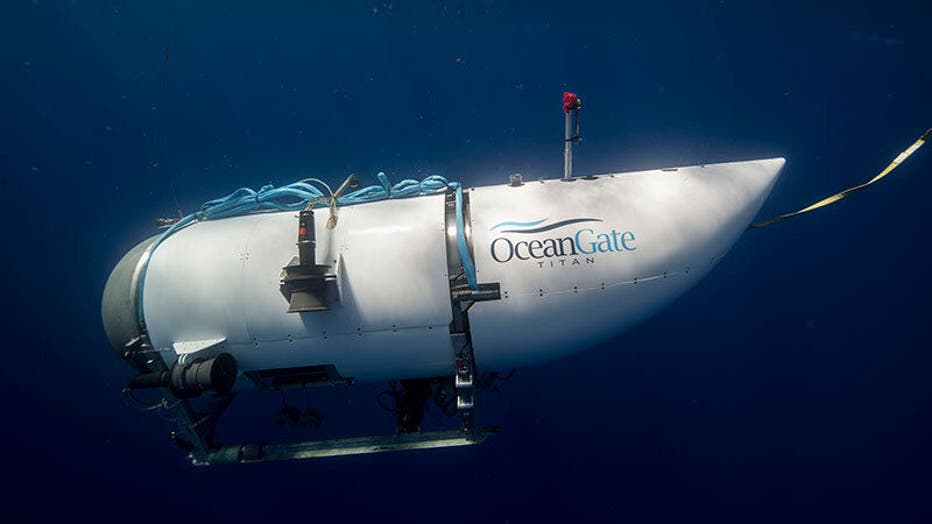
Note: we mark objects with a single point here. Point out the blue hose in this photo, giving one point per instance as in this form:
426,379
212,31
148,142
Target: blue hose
294,197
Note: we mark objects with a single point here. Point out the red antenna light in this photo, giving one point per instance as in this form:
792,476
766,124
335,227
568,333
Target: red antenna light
570,102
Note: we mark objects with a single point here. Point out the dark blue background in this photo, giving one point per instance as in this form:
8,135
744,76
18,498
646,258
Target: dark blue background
793,384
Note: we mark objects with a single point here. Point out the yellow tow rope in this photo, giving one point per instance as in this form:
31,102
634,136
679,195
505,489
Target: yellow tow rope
838,196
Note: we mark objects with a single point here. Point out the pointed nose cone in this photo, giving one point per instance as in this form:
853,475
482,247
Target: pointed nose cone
737,190
758,178
723,201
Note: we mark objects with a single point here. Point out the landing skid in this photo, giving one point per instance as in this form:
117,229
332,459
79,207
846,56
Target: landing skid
196,427
247,453
195,433
203,451
410,400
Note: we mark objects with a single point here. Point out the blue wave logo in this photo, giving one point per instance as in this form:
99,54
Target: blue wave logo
542,228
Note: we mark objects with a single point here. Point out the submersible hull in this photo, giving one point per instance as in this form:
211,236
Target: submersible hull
573,263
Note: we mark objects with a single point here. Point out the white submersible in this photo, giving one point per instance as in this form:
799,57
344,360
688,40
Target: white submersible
427,290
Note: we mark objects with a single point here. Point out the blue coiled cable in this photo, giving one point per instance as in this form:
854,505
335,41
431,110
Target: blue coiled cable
294,197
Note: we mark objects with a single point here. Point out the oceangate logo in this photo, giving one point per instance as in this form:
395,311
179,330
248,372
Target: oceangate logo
580,247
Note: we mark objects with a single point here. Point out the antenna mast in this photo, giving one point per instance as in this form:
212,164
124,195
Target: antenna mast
571,106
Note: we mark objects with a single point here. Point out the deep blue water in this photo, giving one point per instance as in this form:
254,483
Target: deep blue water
791,385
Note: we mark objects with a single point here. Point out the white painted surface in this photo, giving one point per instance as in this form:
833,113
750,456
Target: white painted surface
682,222
220,279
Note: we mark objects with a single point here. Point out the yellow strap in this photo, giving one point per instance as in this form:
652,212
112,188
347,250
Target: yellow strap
838,196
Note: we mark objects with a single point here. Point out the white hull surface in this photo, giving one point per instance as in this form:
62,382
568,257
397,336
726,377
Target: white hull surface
578,262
